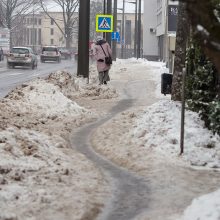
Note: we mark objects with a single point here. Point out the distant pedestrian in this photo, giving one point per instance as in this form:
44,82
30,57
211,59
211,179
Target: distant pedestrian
101,51
1,55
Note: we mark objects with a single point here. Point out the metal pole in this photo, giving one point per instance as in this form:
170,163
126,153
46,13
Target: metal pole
123,30
109,12
104,12
33,27
139,32
182,113
104,7
83,42
114,42
135,30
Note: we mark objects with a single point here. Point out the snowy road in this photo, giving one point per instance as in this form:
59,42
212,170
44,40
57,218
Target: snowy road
10,78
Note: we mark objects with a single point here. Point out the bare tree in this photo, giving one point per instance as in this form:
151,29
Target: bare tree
182,36
68,8
13,10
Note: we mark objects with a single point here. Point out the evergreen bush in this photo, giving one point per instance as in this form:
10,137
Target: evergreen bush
201,88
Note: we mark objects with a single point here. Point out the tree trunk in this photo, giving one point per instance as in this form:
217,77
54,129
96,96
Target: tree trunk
68,42
180,52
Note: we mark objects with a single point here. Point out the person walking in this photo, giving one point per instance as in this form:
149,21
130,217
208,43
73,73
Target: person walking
102,50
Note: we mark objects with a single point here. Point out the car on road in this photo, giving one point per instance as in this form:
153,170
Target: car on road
50,53
65,53
21,56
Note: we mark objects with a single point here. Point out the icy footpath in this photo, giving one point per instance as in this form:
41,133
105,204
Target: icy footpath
41,177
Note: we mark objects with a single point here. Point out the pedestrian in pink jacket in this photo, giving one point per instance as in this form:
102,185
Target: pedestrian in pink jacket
102,50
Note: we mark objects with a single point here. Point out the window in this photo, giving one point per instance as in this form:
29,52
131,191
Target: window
39,21
51,31
51,41
52,21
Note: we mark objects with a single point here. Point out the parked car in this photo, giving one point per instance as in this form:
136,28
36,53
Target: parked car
65,53
21,56
50,53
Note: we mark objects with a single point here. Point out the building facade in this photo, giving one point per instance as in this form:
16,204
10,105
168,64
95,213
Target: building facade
40,30
160,23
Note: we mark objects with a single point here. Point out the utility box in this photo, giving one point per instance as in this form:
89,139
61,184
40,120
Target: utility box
166,83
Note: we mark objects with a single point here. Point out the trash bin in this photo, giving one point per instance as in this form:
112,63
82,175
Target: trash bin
166,83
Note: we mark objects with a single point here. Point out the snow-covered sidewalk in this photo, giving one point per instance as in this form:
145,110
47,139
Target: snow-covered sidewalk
42,177
151,134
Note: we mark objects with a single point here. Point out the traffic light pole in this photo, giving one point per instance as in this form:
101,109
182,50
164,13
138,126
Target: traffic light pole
83,39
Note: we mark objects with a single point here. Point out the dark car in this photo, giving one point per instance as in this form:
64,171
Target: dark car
21,56
50,53
65,53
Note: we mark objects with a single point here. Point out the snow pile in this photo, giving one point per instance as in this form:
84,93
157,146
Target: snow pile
130,68
92,90
206,207
40,174
159,128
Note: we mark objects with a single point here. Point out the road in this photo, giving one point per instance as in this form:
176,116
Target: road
10,78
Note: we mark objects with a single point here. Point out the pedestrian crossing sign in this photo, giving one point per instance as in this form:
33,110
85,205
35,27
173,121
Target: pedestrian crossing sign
104,23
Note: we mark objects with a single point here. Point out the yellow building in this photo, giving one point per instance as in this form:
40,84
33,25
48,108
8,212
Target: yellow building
41,30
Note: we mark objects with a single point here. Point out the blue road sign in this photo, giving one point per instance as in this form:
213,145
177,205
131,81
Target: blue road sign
104,23
116,36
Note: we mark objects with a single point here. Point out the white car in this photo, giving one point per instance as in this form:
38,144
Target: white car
50,53
21,56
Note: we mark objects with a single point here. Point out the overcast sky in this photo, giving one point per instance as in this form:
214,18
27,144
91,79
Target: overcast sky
129,7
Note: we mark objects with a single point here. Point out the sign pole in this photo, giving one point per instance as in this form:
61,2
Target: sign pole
183,113
83,42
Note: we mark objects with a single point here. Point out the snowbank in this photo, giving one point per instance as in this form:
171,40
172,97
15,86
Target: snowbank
40,174
206,207
159,128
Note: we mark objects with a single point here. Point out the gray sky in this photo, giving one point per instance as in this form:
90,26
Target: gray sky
128,6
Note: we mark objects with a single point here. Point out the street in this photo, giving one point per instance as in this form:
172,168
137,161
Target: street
10,78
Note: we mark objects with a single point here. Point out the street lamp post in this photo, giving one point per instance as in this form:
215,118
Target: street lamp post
83,42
